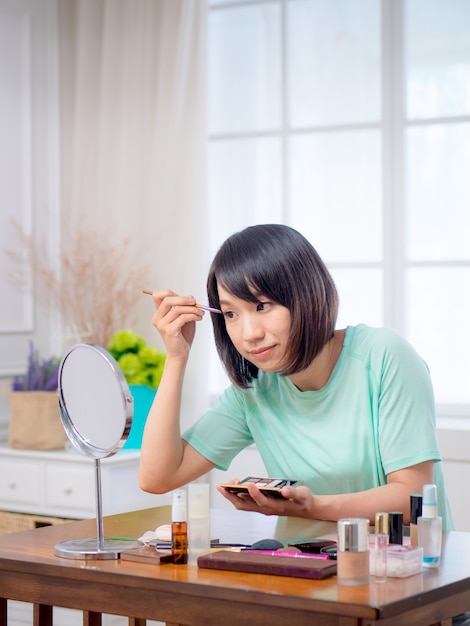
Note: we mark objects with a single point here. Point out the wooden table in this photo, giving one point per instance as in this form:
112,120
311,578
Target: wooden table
184,594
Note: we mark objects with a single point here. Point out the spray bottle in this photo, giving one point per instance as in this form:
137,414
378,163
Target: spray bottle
430,528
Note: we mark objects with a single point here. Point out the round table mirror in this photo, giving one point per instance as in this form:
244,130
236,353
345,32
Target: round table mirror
96,409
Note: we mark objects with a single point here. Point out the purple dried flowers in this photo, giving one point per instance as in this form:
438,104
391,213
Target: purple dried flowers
41,374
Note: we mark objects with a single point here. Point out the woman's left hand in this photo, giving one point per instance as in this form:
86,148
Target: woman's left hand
300,502
297,501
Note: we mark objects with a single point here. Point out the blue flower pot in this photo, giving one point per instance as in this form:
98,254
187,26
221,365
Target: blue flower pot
143,398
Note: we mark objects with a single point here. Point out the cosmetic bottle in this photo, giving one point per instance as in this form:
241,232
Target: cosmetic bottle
380,547
199,520
416,502
179,528
395,527
430,528
353,551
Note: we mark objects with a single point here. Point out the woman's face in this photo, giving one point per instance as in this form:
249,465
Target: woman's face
258,330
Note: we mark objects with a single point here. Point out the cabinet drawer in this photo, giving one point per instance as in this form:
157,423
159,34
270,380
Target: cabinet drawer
21,483
70,487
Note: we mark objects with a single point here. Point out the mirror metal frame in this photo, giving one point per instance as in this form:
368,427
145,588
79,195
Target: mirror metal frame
97,547
82,444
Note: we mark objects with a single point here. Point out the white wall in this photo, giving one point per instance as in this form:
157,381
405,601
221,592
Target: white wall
454,442
28,175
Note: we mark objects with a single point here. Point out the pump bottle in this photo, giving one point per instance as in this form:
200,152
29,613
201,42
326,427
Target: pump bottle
179,528
430,528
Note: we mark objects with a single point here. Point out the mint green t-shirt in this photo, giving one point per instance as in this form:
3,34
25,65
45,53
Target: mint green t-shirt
375,415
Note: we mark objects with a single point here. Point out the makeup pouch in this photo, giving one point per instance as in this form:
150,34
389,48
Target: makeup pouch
268,564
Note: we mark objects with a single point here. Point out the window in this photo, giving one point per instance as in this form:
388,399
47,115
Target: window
350,121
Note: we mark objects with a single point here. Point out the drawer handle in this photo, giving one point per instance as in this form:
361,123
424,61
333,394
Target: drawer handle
12,486
68,491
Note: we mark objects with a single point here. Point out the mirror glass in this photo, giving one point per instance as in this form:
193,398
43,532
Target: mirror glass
95,402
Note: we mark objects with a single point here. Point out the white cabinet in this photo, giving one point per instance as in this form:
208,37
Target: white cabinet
62,483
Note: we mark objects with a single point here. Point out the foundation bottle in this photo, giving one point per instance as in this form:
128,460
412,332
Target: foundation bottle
179,528
395,527
380,547
416,504
353,551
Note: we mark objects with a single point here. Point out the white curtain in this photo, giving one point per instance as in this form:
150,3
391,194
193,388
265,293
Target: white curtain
133,144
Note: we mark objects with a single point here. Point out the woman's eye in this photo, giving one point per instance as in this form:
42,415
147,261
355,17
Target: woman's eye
262,306
229,314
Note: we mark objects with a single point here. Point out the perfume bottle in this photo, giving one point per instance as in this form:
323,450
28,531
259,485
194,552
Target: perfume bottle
430,528
179,528
353,551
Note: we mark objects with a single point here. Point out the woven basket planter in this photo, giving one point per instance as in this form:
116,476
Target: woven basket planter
35,422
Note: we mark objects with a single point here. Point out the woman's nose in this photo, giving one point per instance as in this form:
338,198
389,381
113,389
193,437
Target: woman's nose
252,329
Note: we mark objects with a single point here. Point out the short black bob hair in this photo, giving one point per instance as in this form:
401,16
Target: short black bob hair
277,262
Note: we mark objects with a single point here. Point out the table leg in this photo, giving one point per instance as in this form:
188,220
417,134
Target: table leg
42,615
3,612
135,621
90,618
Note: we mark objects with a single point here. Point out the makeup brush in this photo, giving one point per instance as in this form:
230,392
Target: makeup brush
199,306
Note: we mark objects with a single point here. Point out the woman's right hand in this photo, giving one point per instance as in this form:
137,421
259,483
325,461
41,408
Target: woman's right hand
175,319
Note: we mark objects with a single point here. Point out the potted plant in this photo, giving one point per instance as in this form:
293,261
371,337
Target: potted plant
35,422
142,366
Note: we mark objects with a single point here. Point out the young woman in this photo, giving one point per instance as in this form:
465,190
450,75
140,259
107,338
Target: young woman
349,412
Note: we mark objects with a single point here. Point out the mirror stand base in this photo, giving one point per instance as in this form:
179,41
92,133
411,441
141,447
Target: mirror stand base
90,548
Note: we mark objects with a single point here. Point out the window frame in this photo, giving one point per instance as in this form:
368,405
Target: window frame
393,126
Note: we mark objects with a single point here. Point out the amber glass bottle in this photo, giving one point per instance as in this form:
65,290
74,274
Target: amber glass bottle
179,528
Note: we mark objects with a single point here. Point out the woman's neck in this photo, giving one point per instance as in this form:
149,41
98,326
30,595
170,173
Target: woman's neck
318,373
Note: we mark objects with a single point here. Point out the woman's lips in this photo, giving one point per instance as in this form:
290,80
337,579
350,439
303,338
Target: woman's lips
261,353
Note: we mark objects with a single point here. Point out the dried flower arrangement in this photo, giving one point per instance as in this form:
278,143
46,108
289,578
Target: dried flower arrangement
41,374
95,286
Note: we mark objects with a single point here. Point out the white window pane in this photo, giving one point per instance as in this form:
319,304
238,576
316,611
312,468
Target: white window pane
336,197
438,192
244,69
437,325
437,57
360,296
245,185
333,61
